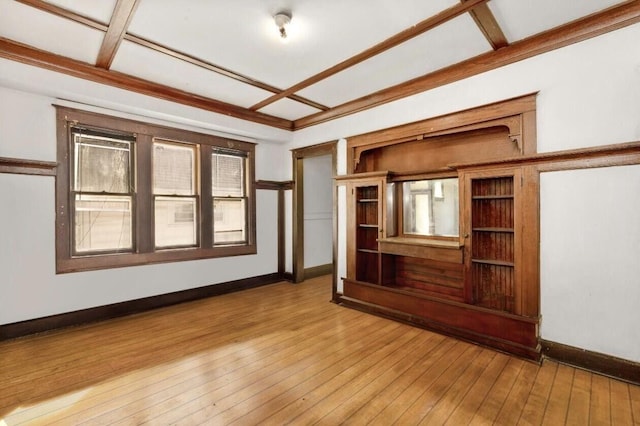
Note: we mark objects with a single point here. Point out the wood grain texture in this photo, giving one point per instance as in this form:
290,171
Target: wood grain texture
284,354
122,14
487,23
27,167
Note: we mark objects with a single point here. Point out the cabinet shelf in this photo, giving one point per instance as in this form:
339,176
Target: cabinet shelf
506,230
363,250
492,197
368,200
366,225
493,262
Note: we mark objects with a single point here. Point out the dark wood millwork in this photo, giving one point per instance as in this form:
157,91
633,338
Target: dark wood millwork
480,283
279,186
503,331
144,250
487,23
611,19
92,23
420,28
27,167
593,361
120,19
28,55
298,156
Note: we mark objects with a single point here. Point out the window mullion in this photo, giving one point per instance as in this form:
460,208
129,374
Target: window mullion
143,204
206,200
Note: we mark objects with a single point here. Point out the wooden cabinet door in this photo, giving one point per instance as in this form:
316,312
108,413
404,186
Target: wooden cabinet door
365,225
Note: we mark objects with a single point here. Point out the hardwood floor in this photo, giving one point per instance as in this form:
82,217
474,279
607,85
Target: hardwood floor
283,353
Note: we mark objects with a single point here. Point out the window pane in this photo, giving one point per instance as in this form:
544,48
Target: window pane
101,164
227,175
175,221
229,221
173,169
430,207
102,223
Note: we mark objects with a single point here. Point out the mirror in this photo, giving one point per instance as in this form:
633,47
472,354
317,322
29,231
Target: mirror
430,207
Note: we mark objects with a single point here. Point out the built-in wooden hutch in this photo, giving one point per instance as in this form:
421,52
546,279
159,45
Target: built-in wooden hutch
443,225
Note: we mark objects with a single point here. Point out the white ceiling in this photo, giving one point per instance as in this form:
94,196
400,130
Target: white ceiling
241,36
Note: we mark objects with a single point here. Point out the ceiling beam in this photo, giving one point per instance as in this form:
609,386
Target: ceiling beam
120,20
91,23
487,23
393,41
19,52
596,24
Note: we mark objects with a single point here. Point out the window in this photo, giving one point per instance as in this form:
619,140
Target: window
430,207
102,192
131,193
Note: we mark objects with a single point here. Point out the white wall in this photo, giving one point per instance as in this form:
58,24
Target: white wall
590,252
589,95
318,210
29,286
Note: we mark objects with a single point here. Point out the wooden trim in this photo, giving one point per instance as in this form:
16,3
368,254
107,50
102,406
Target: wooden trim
393,41
27,167
607,365
280,187
103,313
500,330
28,55
91,23
120,20
488,25
218,69
298,156
318,271
274,185
573,159
611,19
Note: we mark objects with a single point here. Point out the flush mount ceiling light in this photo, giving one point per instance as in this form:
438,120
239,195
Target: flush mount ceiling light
282,19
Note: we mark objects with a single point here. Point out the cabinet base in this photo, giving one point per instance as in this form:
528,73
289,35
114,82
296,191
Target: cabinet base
499,330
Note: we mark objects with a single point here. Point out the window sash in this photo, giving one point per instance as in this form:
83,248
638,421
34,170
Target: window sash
223,234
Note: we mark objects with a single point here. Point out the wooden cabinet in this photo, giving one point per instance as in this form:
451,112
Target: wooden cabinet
479,286
366,224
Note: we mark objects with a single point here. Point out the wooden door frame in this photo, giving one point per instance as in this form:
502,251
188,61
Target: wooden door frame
328,148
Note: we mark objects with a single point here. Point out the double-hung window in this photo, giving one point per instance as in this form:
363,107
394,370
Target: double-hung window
132,193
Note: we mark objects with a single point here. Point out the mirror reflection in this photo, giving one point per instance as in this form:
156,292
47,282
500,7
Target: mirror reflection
430,207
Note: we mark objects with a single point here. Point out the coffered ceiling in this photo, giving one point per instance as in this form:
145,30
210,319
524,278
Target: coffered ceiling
340,56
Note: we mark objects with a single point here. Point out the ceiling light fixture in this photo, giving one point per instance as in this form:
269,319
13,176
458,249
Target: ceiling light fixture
282,19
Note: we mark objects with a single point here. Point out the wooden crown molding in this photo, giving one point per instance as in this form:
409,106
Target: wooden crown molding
611,19
28,55
401,37
92,23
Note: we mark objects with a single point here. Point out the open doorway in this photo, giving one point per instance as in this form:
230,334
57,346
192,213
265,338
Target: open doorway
313,211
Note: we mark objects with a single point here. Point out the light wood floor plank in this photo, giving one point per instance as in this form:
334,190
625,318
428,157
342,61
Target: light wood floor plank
534,408
490,407
580,399
621,413
284,354
556,411
600,402
467,408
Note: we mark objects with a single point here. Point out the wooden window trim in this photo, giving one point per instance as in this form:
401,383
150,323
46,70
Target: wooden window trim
144,250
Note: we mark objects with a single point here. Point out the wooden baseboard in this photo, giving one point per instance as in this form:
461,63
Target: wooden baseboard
101,313
318,271
593,361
